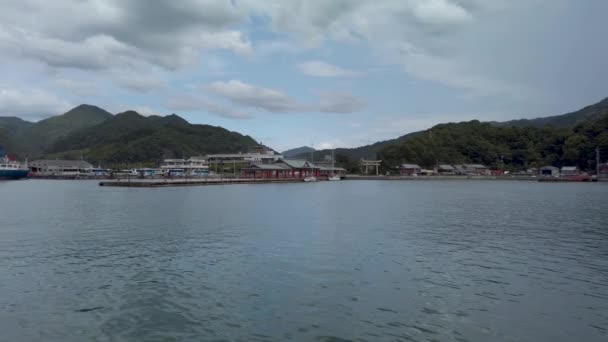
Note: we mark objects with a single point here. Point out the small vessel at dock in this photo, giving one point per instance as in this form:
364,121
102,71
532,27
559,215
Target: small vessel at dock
333,176
11,169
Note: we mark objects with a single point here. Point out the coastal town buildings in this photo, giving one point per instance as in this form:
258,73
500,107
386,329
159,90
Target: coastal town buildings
569,171
60,167
291,168
445,169
409,169
550,171
192,165
476,169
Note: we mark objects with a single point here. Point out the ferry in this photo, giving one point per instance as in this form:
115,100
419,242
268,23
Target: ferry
11,169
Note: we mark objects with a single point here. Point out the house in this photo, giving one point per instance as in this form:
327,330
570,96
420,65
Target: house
409,169
230,161
426,172
59,167
550,171
192,164
278,170
570,171
283,168
476,169
328,171
444,169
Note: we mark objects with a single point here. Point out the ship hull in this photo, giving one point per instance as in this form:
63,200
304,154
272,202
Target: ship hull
13,174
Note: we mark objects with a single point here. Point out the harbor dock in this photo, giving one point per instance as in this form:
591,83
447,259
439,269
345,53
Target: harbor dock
154,183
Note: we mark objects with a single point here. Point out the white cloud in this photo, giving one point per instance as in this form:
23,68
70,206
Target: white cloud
115,33
440,12
253,96
139,82
274,101
324,69
192,103
338,102
76,87
31,103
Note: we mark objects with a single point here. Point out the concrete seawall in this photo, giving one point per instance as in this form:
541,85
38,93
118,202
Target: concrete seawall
438,178
153,183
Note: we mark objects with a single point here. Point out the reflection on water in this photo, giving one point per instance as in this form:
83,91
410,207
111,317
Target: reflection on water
339,261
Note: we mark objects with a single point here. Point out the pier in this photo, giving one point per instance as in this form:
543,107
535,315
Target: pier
155,183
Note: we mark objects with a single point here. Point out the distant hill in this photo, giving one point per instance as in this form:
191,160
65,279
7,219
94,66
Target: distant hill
296,151
129,138
34,139
349,157
569,120
510,147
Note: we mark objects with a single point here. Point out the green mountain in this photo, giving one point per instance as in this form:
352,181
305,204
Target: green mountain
511,148
34,139
297,151
130,138
349,157
569,120
419,148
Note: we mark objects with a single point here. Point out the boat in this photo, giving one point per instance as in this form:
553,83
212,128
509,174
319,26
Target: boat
333,176
12,169
311,178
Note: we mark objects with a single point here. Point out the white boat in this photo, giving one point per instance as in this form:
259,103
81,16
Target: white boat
311,178
333,176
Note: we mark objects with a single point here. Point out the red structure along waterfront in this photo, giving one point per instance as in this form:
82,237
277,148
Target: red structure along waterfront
291,168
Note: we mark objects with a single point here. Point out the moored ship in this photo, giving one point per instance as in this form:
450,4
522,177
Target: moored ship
11,169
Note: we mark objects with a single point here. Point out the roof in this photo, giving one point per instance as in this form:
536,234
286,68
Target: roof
298,163
242,155
410,166
569,168
549,167
330,168
475,166
80,164
270,167
446,167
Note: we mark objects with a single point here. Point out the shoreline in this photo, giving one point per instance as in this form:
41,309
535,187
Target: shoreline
155,183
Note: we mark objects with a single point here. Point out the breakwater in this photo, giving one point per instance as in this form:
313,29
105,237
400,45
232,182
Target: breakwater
153,183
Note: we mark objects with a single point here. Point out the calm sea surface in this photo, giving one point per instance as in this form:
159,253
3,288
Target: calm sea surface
351,260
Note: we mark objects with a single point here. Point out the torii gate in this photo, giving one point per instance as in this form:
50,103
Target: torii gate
371,163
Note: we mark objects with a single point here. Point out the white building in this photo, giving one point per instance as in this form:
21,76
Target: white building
243,158
192,164
58,167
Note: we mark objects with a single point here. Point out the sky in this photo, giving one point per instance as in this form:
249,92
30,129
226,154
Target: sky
340,73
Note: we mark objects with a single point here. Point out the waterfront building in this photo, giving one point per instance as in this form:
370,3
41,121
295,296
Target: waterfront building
549,170
186,165
60,167
234,161
278,170
328,171
283,168
409,169
445,169
476,169
570,171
